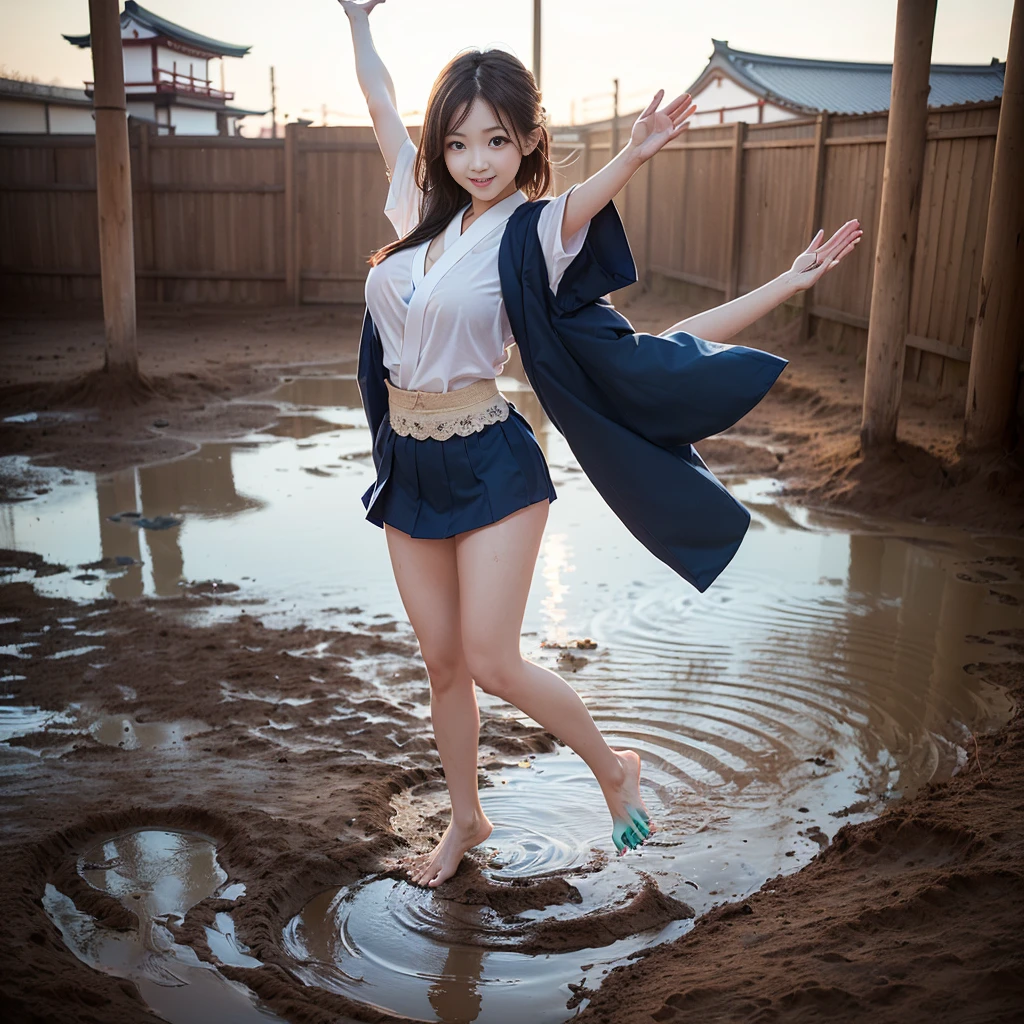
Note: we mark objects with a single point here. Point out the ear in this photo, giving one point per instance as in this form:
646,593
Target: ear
532,141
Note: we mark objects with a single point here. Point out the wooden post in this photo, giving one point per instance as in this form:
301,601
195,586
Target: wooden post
897,226
113,188
998,332
732,281
648,222
615,118
817,201
273,103
144,189
536,42
291,216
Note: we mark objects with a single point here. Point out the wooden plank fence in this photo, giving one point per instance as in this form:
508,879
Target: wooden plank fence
722,209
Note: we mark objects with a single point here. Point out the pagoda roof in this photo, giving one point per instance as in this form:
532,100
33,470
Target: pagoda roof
844,87
162,27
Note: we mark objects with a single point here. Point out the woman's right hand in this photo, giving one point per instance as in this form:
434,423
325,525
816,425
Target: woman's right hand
351,7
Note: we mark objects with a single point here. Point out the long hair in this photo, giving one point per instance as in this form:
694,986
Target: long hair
509,87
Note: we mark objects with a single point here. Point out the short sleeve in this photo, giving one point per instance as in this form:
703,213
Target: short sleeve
402,206
549,230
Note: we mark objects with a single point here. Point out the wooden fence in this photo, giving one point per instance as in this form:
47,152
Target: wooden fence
721,210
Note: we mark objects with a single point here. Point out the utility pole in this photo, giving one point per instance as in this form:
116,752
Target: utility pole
113,190
273,105
615,119
536,42
998,332
897,225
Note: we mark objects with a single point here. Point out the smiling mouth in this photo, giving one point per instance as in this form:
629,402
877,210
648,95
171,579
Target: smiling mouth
482,181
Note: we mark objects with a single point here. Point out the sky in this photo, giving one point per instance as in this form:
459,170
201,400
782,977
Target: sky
647,44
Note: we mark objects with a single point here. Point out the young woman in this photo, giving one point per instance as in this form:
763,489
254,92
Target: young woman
462,488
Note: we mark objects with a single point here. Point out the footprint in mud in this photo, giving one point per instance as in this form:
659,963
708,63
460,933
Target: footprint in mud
159,876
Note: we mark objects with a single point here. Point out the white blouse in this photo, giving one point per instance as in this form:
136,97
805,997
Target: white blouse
447,327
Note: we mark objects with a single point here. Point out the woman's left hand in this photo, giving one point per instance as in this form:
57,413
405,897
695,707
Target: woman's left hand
818,259
653,128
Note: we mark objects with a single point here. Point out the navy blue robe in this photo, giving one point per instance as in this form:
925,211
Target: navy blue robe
629,404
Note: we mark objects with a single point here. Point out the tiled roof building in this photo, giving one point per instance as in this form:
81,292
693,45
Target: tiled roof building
738,85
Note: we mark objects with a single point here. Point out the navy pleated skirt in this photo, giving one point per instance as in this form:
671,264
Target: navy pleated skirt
436,489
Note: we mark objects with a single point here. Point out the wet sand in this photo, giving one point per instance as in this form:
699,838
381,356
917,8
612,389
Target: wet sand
911,916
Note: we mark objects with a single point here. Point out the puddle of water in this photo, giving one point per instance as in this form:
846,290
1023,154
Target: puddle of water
19,721
226,946
62,727
407,950
822,676
159,876
124,732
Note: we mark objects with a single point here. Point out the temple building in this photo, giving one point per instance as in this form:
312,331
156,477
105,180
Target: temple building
167,75
738,85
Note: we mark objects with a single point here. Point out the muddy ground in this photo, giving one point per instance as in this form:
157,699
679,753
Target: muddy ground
912,916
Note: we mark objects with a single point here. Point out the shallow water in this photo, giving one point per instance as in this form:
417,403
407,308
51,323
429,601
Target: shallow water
159,876
826,672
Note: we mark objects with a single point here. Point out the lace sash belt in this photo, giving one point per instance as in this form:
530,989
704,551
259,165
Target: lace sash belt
439,415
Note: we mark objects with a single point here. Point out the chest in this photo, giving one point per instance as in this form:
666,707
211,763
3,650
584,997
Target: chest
438,244
451,275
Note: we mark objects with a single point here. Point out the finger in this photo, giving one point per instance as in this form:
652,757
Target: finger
850,228
835,261
687,113
839,239
814,241
679,102
840,243
846,251
653,105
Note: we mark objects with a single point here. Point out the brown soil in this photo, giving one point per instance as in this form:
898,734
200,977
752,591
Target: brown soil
912,916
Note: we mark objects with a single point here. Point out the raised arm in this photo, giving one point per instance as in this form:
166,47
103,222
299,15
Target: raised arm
375,82
724,322
651,130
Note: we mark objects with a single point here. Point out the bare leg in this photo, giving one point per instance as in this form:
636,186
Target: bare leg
427,580
495,566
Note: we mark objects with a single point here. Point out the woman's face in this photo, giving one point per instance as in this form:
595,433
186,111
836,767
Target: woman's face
482,157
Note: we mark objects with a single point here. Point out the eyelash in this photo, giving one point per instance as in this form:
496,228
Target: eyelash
502,137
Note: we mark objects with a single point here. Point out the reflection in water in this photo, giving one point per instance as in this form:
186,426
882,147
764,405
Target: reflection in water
555,559
158,876
117,492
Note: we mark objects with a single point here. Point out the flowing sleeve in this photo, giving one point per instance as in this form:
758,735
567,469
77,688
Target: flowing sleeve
557,257
602,262
402,207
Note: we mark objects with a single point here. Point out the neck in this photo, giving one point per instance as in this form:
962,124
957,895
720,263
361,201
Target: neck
481,206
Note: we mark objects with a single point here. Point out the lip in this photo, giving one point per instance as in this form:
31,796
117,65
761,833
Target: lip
484,182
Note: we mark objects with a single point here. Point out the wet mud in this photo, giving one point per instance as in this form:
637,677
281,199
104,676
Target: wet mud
204,794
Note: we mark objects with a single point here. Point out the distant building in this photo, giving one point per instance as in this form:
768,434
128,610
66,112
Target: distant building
32,108
738,85
167,75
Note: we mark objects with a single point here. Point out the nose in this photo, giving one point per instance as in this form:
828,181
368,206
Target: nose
478,167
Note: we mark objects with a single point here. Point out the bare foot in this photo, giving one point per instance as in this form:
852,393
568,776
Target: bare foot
431,869
631,822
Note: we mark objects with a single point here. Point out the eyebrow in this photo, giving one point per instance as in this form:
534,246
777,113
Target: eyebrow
493,128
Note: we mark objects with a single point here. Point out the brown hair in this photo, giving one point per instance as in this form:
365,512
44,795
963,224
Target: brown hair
503,81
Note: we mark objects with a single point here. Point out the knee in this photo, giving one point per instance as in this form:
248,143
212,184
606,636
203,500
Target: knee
493,672
446,668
